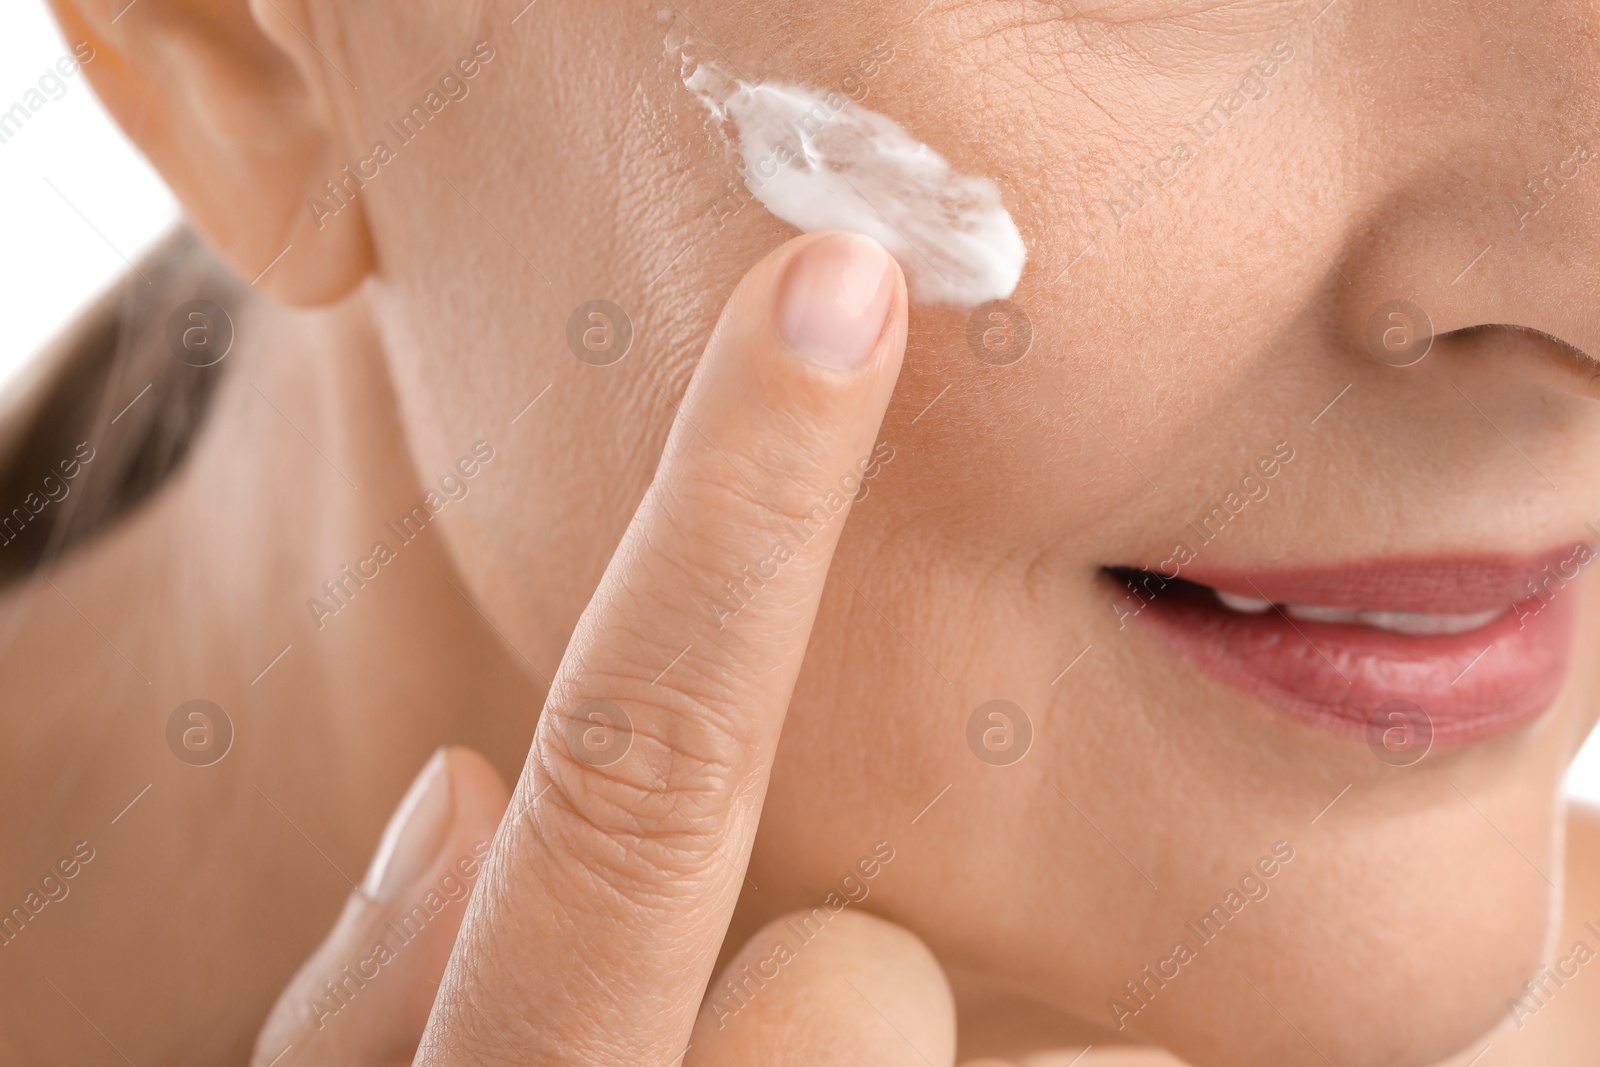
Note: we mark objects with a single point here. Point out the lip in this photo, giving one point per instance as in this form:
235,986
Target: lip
1469,686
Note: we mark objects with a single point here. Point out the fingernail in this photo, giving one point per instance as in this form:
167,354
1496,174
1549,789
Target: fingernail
415,833
836,296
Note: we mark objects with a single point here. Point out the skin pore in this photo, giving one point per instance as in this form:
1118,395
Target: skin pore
1182,330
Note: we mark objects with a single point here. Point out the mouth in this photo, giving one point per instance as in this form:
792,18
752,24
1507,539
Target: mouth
1464,648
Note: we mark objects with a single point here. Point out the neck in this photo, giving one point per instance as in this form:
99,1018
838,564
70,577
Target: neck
207,592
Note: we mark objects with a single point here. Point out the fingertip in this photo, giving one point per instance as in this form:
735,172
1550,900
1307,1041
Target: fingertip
836,296
415,832
478,785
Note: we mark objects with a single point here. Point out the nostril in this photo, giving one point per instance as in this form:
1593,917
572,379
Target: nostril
1531,353
1526,331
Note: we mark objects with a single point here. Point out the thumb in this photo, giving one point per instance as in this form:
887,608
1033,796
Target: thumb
846,989
364,996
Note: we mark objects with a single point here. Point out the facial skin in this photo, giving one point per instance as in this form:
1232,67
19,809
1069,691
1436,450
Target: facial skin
1173,346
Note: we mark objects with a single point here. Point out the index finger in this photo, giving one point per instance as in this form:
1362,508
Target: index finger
610,886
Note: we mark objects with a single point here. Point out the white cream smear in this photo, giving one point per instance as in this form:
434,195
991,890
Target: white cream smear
818,160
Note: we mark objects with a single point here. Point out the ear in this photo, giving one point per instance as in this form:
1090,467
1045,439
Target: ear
236,107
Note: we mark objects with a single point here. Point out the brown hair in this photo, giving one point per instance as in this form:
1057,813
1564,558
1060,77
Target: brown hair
102,416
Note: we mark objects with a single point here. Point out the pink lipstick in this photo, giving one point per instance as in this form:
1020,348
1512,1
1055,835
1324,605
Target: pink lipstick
1479,644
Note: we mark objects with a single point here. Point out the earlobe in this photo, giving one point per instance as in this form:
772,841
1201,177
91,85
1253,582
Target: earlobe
230,104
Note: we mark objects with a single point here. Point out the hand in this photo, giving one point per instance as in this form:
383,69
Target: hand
603,901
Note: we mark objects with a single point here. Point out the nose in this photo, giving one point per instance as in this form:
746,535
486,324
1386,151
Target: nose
1481,213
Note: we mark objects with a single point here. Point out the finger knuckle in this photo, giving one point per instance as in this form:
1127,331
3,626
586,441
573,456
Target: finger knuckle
653,816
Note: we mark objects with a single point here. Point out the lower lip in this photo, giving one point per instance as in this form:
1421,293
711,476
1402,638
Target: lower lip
1470,686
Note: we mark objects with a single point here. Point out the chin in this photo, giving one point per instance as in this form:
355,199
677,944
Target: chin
1402,940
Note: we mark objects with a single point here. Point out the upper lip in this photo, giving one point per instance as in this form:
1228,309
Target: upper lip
1441,585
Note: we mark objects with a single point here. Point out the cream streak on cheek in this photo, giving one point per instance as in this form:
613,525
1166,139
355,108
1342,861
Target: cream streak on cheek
819,161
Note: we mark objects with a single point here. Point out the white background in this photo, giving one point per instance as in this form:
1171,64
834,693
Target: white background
83,202
78,197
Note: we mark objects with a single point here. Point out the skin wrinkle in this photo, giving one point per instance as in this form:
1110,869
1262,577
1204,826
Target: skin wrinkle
966,35
623,855
1206,327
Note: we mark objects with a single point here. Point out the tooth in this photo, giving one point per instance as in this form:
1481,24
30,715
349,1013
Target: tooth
1245,604
1312,613
1400,622
1406,622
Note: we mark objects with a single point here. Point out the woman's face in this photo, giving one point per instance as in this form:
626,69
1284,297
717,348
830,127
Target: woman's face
1219,201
